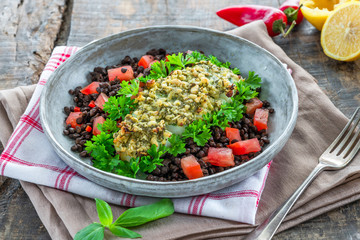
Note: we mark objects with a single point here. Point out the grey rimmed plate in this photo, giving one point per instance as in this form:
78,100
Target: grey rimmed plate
278,88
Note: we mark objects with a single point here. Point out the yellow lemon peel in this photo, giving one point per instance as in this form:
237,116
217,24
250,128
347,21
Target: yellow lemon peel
317,11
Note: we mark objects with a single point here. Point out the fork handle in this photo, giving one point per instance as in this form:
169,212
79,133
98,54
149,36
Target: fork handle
267,229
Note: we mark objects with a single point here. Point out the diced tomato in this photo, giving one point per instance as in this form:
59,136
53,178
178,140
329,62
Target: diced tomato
92,104
232,133
101,100
145,61
97,120
245,146
222,157
88,128
91,88
71,119
124,73
77,109
191,167
261,118
252,105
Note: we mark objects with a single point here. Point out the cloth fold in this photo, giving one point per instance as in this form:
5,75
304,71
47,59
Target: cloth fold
289,168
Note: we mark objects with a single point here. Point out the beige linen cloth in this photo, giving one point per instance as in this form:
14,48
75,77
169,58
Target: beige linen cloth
319,122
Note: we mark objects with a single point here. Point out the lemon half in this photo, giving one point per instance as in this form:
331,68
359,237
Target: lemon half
340,36
317,11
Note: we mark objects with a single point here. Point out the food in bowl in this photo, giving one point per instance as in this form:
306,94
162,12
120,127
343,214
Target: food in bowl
168,117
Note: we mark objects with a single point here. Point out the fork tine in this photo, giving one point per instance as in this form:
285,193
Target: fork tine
346,139
340,139
350,147
355,149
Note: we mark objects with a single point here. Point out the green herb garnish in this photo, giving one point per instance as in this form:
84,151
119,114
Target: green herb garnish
129,89
130,218
129,168
177,145
199,131
109,126
149,163
102,149
119,107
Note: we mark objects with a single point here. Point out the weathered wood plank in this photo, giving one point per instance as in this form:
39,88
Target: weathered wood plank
28,32
96,19
18,218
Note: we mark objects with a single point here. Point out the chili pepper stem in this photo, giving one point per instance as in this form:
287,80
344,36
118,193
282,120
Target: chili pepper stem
296,11
289,30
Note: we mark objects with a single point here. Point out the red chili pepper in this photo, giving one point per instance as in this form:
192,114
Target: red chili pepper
92,104
77,109
240,15
88,129
292,11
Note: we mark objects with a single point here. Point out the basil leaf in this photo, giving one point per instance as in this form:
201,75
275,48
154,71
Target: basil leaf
104,212
140,215
94,231
123,232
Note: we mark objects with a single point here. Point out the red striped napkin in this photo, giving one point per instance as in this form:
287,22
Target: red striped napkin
29,156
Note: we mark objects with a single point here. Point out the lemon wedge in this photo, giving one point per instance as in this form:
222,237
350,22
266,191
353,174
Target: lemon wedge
317,11
340,36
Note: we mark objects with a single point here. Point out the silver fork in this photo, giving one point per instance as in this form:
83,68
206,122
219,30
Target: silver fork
336,156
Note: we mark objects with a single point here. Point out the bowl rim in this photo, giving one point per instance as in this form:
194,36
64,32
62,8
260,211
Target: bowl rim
43,103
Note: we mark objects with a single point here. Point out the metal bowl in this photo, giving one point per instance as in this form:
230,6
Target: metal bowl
278,88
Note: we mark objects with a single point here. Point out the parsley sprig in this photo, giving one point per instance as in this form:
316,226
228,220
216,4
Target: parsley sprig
129,89
199,131
103,152
149,163
119,107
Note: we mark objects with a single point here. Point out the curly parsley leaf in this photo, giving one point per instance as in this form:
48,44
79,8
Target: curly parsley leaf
102,150
198,131
129,168
253,81
109,126
149,163
129,89
119,107
179,61
177,145
232,111
244,92
215,119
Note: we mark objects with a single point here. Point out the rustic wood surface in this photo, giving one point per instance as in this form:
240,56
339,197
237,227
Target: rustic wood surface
31,28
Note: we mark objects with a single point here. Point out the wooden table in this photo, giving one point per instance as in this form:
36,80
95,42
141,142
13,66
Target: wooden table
31,28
